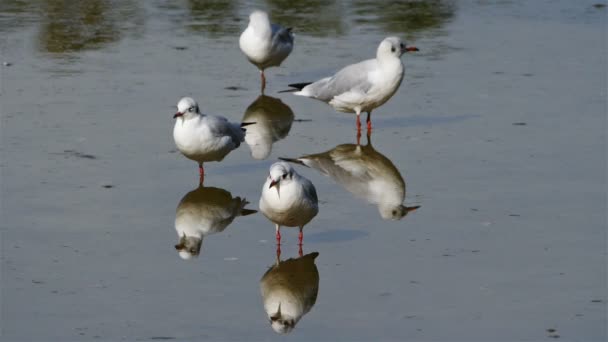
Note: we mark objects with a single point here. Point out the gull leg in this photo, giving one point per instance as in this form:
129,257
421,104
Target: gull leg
278,230
201,174
278,254
300,238
263,80
369,122
358,122
358,138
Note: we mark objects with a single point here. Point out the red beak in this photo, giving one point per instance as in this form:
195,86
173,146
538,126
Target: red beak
178,114
272,183
411,49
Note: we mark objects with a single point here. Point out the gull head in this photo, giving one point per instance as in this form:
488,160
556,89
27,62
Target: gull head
189,247
186,108
258,17
281,173
393,46
396,212
280,323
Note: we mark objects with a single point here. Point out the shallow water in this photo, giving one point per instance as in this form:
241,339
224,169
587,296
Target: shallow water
498,131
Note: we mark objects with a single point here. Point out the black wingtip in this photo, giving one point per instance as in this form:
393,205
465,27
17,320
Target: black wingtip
312,255
287,91
245,212
299,86
289,29
243,124
296,87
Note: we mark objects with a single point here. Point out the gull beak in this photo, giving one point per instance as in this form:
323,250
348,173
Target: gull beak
410,49
410,209
277,315
178,114
273,183
277,186
182,243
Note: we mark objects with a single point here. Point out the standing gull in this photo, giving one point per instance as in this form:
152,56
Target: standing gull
288,199
364,86
265,44
204,137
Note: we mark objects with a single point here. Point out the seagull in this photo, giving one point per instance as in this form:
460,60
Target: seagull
361,87
265,44
273,121
293,202
289,290
204,211
364,172
204,137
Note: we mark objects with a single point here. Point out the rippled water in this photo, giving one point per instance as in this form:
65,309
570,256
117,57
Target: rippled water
497,133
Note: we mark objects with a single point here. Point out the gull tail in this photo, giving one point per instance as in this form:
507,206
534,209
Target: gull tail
292,160
243,211
296,87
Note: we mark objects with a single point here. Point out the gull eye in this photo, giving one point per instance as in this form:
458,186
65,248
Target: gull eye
191,109
192,251
402,46
284,176
393,49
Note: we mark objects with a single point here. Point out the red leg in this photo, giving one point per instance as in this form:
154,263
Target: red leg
358,123
300,237
201,174
263,80
358,137
278,254
278,229
369,122
300,252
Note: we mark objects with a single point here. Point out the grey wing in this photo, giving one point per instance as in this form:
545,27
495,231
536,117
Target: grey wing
354,77
311,192
222,127
281,35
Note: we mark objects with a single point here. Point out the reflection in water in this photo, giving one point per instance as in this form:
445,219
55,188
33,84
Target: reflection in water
72,26
364,172
406,16
289,290
15,14
273,121
204,211
315,17
215,17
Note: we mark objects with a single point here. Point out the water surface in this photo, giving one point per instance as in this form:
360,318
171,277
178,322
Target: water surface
498,132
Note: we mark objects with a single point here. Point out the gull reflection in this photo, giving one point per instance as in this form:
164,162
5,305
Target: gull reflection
289,290
365,173
204,211
273,121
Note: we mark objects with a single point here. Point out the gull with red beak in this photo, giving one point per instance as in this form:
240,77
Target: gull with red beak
204,137
265,44
364,86
288,199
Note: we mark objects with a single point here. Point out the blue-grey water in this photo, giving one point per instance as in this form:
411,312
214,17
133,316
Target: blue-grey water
498,130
